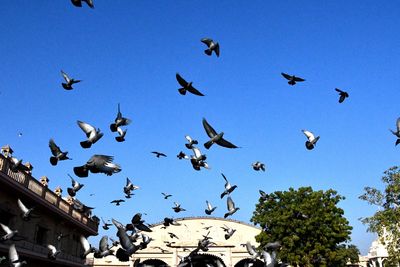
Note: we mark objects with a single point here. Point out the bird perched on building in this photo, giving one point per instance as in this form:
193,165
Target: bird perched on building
191,142
16,165
158,154
13,257
178,207
117,202
228,187
92,134
96,164
78,3
166,196
76,186
209,208
186,86
216,138
229,231
231,207
68,81
292,79
57,153
397,132
312,140
342,95
52,252
212,46
258,166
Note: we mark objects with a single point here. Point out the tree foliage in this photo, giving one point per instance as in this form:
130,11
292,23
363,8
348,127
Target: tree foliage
386,221
309,225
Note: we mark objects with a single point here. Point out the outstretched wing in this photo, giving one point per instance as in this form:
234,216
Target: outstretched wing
181,81
298,79
225,143
194,91
66,78
207,41
22,206
398,125
230,204
55,150
87,128
287,76
309,135
209,130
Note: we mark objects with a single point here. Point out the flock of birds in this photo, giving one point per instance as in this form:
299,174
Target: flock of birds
131,236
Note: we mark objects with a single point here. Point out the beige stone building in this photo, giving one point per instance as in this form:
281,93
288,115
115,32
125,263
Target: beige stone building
53,215
230,251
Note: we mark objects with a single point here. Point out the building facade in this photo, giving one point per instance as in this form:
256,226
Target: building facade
167,250
54,218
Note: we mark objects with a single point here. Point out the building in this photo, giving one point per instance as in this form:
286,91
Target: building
230,252
53,215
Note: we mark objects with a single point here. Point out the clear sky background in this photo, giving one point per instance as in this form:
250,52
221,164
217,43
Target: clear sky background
128,52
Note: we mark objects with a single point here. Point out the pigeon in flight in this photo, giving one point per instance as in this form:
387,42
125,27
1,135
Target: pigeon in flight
231,207
87,248
15,261
119,121
78,3
166,196
26,213
138,223
96,164
16,165
129,187
229,231
117,201
292,79
258,166
105,225
92,134
186,86
397,132
228,187
159,154
170,221
312,140
263,195
57,153
343,95
172,235
52,252
103,250
252,251
182,155
212,46
68,81
10,234
191,142
198,159
121,137
216,138
178,208
209,208
76,186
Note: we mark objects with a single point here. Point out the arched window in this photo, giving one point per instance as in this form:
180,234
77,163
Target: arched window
249,263
153,263
203,260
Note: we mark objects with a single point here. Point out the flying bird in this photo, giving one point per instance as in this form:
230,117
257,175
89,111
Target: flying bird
292,79
186,86
105,225
212,46
26,213
78,3
159,154
87,248
92,134
312,140
76,186
116,126
14,259
68,81
231,207
228,187
138,223
172,235
343,95
178,208
121,137
117,201
9,234
129,186
229,231
263,195
252,251
57,153
166,196
198,159
191,142
258,166
397,132
104,249
209,208
96,164
52,252
216,138
182,155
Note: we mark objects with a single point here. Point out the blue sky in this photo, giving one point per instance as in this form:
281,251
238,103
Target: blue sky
128,52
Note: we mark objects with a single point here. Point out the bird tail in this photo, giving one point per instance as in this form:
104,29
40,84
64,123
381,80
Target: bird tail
120,139
53,161
208,212
208,52
182,91
86,144
397,142
81,171
291,82
113,127
208,144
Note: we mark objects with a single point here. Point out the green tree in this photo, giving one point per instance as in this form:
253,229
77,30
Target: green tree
309,225
386,221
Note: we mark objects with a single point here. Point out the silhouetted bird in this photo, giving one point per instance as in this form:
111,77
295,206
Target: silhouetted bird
78,3
216,138
166,196
76,186
159,154
397,132
117,202
96,164
292,79
186,86
228,187
212,46
258,166
343,95
69,81
57,153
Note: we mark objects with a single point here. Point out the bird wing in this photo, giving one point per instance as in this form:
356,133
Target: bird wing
398,125
309,135
136,218
128,182
100,160
207,41
194,91
338,90
117,224
87,128
188,138
12,254
209,130
85,243
5,228
227,184
66,78
298,79
73,182
230,204
55,150
181,81
250,249
217,49
52,248
21,206
287,76
103,244
208,205
225,143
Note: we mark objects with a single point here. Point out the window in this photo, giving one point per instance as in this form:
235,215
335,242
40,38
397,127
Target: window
41,235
